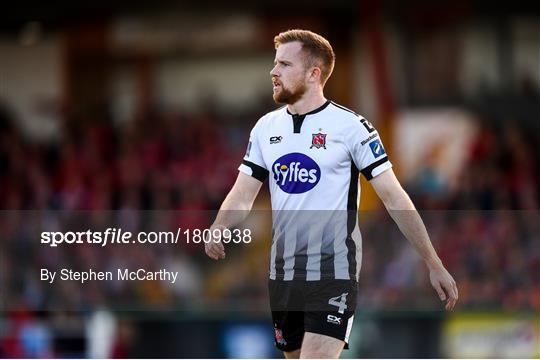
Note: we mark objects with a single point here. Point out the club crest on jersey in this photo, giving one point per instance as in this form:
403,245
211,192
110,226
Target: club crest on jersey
296,173
318,141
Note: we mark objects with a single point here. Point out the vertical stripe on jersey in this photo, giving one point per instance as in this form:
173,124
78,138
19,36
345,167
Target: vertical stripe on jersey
352,217
280,248
290,248
300,260
341,248
327,249
273,256
314,249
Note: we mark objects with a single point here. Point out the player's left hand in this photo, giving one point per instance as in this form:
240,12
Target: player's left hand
444,284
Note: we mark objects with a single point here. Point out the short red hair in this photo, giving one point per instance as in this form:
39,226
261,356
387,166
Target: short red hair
318,50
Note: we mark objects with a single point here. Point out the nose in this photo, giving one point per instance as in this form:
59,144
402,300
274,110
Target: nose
274,72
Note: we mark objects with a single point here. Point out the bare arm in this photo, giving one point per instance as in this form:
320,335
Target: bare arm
402,210
234,209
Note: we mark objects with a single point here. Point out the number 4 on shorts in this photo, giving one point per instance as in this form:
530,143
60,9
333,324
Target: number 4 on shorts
340,302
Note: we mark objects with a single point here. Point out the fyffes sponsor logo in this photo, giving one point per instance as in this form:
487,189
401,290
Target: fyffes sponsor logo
296,173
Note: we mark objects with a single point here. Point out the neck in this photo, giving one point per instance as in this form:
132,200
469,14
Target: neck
308,102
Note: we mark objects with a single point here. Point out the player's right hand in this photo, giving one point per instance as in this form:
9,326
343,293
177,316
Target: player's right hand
213,246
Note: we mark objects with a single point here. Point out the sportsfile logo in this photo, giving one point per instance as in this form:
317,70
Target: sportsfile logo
296,173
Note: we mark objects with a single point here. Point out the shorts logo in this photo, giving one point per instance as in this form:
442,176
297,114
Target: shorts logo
296,173
318,141
248,149
276,139
279,337
333,319
377,148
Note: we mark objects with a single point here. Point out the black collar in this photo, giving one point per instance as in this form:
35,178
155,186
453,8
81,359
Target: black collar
320,108
299,119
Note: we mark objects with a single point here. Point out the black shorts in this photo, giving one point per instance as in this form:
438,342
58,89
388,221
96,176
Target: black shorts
323,307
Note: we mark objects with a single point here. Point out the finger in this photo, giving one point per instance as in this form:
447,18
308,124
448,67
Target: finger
440,291
220,246
452,291
450,304
217,250
455,295
453,299
211,255
212,252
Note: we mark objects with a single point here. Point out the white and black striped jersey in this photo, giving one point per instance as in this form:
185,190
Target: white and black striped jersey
314,161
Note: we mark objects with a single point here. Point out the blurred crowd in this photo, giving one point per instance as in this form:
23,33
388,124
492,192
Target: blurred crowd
158,161
487,230
501,172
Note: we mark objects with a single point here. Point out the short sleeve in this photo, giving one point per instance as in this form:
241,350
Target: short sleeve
367,149
253,162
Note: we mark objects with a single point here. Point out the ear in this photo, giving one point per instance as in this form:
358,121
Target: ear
314,74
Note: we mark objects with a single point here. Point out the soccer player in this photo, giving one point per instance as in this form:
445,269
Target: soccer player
313,150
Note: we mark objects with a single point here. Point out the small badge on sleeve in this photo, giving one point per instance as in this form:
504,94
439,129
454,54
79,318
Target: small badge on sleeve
377,148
